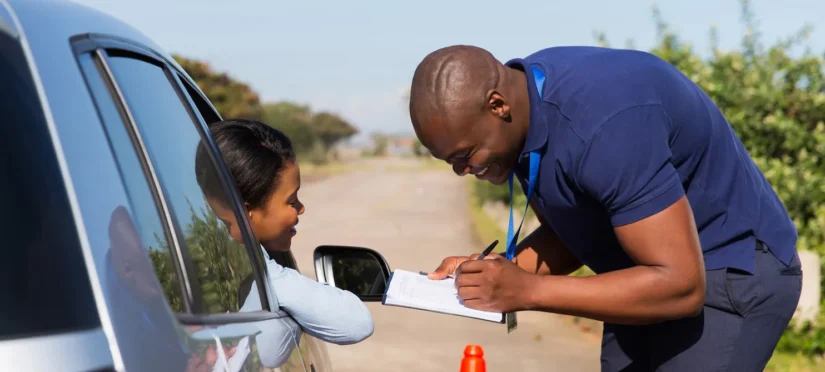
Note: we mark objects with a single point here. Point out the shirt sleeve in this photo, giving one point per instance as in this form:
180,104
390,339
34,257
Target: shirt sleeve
627,165
325,312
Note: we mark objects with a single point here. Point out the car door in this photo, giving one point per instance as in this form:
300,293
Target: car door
49,320
312,350
200,270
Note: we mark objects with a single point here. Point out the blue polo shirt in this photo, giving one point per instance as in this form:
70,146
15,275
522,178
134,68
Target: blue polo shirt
623,135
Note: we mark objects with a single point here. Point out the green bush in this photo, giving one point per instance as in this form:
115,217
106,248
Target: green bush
808,339
318,155
486,191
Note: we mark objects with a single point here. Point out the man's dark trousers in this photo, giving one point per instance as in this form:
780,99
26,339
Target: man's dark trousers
743,318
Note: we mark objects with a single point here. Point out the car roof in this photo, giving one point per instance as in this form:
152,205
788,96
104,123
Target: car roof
64,19
49,24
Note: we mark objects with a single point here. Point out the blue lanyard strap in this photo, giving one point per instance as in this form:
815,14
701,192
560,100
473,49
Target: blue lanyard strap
535,159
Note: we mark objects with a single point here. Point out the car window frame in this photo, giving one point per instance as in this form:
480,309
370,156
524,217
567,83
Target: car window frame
98,46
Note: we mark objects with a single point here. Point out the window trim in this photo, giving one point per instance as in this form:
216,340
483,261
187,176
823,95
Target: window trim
98,46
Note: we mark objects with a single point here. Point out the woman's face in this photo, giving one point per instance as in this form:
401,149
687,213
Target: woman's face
274,222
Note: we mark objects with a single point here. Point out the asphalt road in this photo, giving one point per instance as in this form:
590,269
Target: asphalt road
415,217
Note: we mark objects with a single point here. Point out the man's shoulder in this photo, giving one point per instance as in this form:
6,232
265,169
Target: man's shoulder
580,57
573,69
569,50
589,85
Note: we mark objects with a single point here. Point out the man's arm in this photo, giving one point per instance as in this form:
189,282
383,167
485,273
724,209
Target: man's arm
668,283
543,253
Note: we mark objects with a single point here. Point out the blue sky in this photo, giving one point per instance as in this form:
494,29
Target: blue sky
356,58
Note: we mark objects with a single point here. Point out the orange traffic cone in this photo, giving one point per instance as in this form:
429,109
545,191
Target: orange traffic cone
473,360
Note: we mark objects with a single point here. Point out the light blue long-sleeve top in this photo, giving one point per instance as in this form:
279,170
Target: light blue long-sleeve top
324,312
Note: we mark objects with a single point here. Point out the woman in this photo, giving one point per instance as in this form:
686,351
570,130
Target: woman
263,165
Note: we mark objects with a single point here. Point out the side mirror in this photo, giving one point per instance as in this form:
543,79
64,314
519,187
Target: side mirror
361,271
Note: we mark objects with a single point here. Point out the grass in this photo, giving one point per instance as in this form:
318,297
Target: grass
788,362
328,169
431,163
333,168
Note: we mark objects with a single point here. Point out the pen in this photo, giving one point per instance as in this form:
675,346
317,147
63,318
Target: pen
488,250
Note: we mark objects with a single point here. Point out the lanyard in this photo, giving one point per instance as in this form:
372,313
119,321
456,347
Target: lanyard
535,159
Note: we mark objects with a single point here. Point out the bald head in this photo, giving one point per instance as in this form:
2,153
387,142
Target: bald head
452,81
470,110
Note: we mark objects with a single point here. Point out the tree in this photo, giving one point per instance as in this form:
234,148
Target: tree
380,143
232,99
418,148
293,120
331,129
220,263
165,270
308,131
299,112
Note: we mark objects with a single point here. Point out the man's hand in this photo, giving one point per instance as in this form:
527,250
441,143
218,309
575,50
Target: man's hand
449,266
494,284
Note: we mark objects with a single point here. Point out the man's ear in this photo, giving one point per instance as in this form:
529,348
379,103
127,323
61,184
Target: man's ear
497,105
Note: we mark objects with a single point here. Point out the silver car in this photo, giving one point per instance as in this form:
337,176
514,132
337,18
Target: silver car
113,259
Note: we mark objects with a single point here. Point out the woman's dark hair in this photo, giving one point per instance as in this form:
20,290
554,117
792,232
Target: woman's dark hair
256,155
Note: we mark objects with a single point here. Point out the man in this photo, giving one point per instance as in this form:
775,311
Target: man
637,175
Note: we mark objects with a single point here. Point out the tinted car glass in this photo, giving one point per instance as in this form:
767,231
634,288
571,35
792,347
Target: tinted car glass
135,179
43,279
218,262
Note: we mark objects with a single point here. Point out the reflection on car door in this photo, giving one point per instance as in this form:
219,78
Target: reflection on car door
198,267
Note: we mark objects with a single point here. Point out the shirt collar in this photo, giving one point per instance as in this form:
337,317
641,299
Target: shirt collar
537,132
266,254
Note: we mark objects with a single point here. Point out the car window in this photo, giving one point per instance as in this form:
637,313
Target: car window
218,262
134,176
44,282
209,116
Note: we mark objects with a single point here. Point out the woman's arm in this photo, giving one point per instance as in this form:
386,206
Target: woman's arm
323,311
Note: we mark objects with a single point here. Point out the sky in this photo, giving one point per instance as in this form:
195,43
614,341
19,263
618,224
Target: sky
356,58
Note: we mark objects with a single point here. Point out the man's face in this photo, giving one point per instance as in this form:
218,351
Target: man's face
487,148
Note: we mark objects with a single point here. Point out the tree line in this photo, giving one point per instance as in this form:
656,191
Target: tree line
313,134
